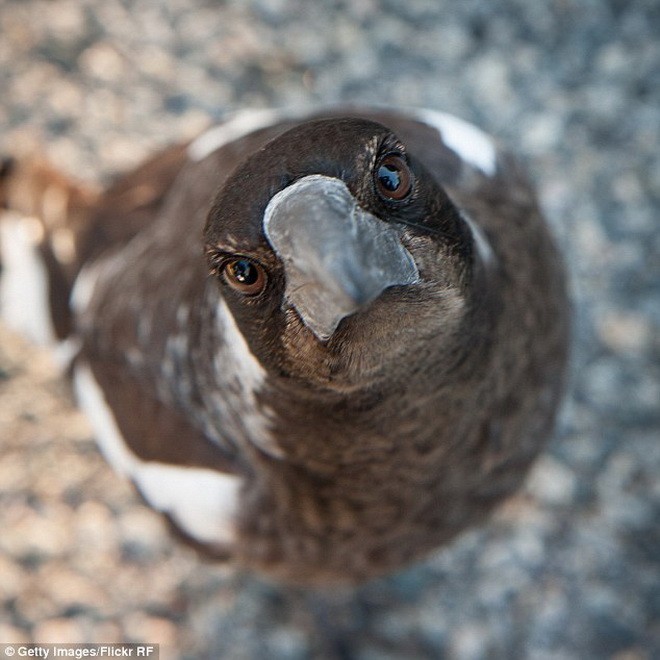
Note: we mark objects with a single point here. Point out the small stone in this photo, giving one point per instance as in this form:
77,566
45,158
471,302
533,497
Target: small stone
106,632
67,20
12,580
11,635
613,59
528,548
151,630
66,98
71,590
43,533
13,472
624,332
542,133
35,604
59,631
469,642
143,534
631,654
96,530
489,77
103,62
552,482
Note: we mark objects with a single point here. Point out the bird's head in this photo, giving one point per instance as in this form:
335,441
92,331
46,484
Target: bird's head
340,256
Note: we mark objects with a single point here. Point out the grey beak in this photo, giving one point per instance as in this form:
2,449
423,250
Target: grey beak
337,257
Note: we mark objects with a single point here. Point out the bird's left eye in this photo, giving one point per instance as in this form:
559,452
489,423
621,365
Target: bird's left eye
393,178
245,276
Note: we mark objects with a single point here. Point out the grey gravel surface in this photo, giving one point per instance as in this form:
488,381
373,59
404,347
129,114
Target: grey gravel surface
569,569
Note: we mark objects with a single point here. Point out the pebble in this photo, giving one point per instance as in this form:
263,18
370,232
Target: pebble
96,528
12,635
143,535
59,631
469,642
551,482
13,579
150,630
71,590
42,533
624,332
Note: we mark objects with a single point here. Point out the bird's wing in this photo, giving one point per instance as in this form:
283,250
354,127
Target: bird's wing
174,466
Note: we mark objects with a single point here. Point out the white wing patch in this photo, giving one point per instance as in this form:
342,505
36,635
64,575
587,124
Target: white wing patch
83,287
24,297
85,283
242,361
236,360
241,124
466,140
202,502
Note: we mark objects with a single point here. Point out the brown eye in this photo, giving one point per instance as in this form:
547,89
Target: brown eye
393,178
245,276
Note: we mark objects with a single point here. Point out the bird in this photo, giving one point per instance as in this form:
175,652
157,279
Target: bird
323,343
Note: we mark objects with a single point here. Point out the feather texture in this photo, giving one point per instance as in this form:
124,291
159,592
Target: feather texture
324,458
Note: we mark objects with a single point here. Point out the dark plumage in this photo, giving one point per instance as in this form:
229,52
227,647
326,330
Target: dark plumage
373,362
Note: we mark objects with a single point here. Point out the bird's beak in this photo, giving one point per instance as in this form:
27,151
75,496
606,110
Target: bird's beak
337,257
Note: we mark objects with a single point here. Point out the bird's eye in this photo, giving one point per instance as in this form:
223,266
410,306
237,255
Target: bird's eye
393,178
245,276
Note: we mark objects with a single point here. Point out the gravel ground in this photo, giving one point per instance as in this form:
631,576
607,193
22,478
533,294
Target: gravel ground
566,570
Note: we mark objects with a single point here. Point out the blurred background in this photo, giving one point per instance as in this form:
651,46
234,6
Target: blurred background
570,568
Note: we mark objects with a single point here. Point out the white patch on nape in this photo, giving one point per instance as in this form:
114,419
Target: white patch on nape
24,285
248,369
233,363
237,126
202,502
481,242
466,140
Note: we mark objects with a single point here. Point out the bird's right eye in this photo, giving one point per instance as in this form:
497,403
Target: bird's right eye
393,178
245,276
